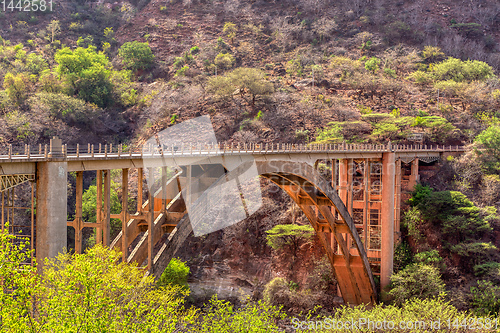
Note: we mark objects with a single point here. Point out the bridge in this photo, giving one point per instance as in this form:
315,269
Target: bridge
353,202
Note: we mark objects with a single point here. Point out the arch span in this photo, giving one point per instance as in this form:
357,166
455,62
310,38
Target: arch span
327,214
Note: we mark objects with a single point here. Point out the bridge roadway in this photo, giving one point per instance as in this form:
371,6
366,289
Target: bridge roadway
116,157
355,213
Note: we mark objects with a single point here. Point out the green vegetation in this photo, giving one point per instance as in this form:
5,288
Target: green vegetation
417,281
175,274
136,55
289,235
246,80
86,73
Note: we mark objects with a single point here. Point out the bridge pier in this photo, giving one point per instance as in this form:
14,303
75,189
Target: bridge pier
387,249
51,209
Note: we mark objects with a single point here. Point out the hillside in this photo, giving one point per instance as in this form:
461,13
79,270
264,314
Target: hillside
279,71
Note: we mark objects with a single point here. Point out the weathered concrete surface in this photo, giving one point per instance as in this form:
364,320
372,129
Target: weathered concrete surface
51,209
388,184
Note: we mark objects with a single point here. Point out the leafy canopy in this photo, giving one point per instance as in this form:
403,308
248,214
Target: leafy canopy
136,55
288,234
87,74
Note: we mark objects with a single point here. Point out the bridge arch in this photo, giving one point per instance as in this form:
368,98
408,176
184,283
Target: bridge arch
325,211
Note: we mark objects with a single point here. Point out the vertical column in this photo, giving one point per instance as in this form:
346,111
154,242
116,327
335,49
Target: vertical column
124,213
98,230
387,253
140,176
343,182
366,199
51,209
151,219
397,202
414,174
189,188
78,212
164,172
106,214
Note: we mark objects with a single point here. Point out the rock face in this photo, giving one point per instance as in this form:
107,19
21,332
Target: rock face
236,262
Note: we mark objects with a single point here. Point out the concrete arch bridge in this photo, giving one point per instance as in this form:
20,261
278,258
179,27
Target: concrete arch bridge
354,206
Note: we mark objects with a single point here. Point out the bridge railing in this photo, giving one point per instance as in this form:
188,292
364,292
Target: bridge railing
107,150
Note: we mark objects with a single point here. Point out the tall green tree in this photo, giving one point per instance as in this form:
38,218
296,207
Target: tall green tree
86,73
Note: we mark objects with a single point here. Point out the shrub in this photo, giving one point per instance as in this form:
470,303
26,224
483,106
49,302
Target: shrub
175,274
222,316
432,54
469,30
372,64
182,71
416,281
421,78
194,50
136,55
458,70
224,60
431,258
72,111
486,298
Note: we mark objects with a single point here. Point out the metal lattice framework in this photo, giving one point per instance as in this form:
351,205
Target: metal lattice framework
10,181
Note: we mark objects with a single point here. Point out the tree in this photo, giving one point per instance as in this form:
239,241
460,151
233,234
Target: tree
246,80
489,139
230,30
54,28
86,73
89,206
16,87
136,55
416,281
292,235
84,293
252,81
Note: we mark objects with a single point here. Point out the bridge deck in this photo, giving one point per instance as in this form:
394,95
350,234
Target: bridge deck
23,161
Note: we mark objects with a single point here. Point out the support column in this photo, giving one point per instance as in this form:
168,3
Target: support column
397,204
414,174
387,253
151,219
106,214
343,182
140,176
124,214
164,173
77,225
51,209
98,230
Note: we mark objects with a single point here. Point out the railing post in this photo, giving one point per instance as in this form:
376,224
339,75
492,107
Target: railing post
77,150
45,153
29,153
100,148
92,150
105,150
88,148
